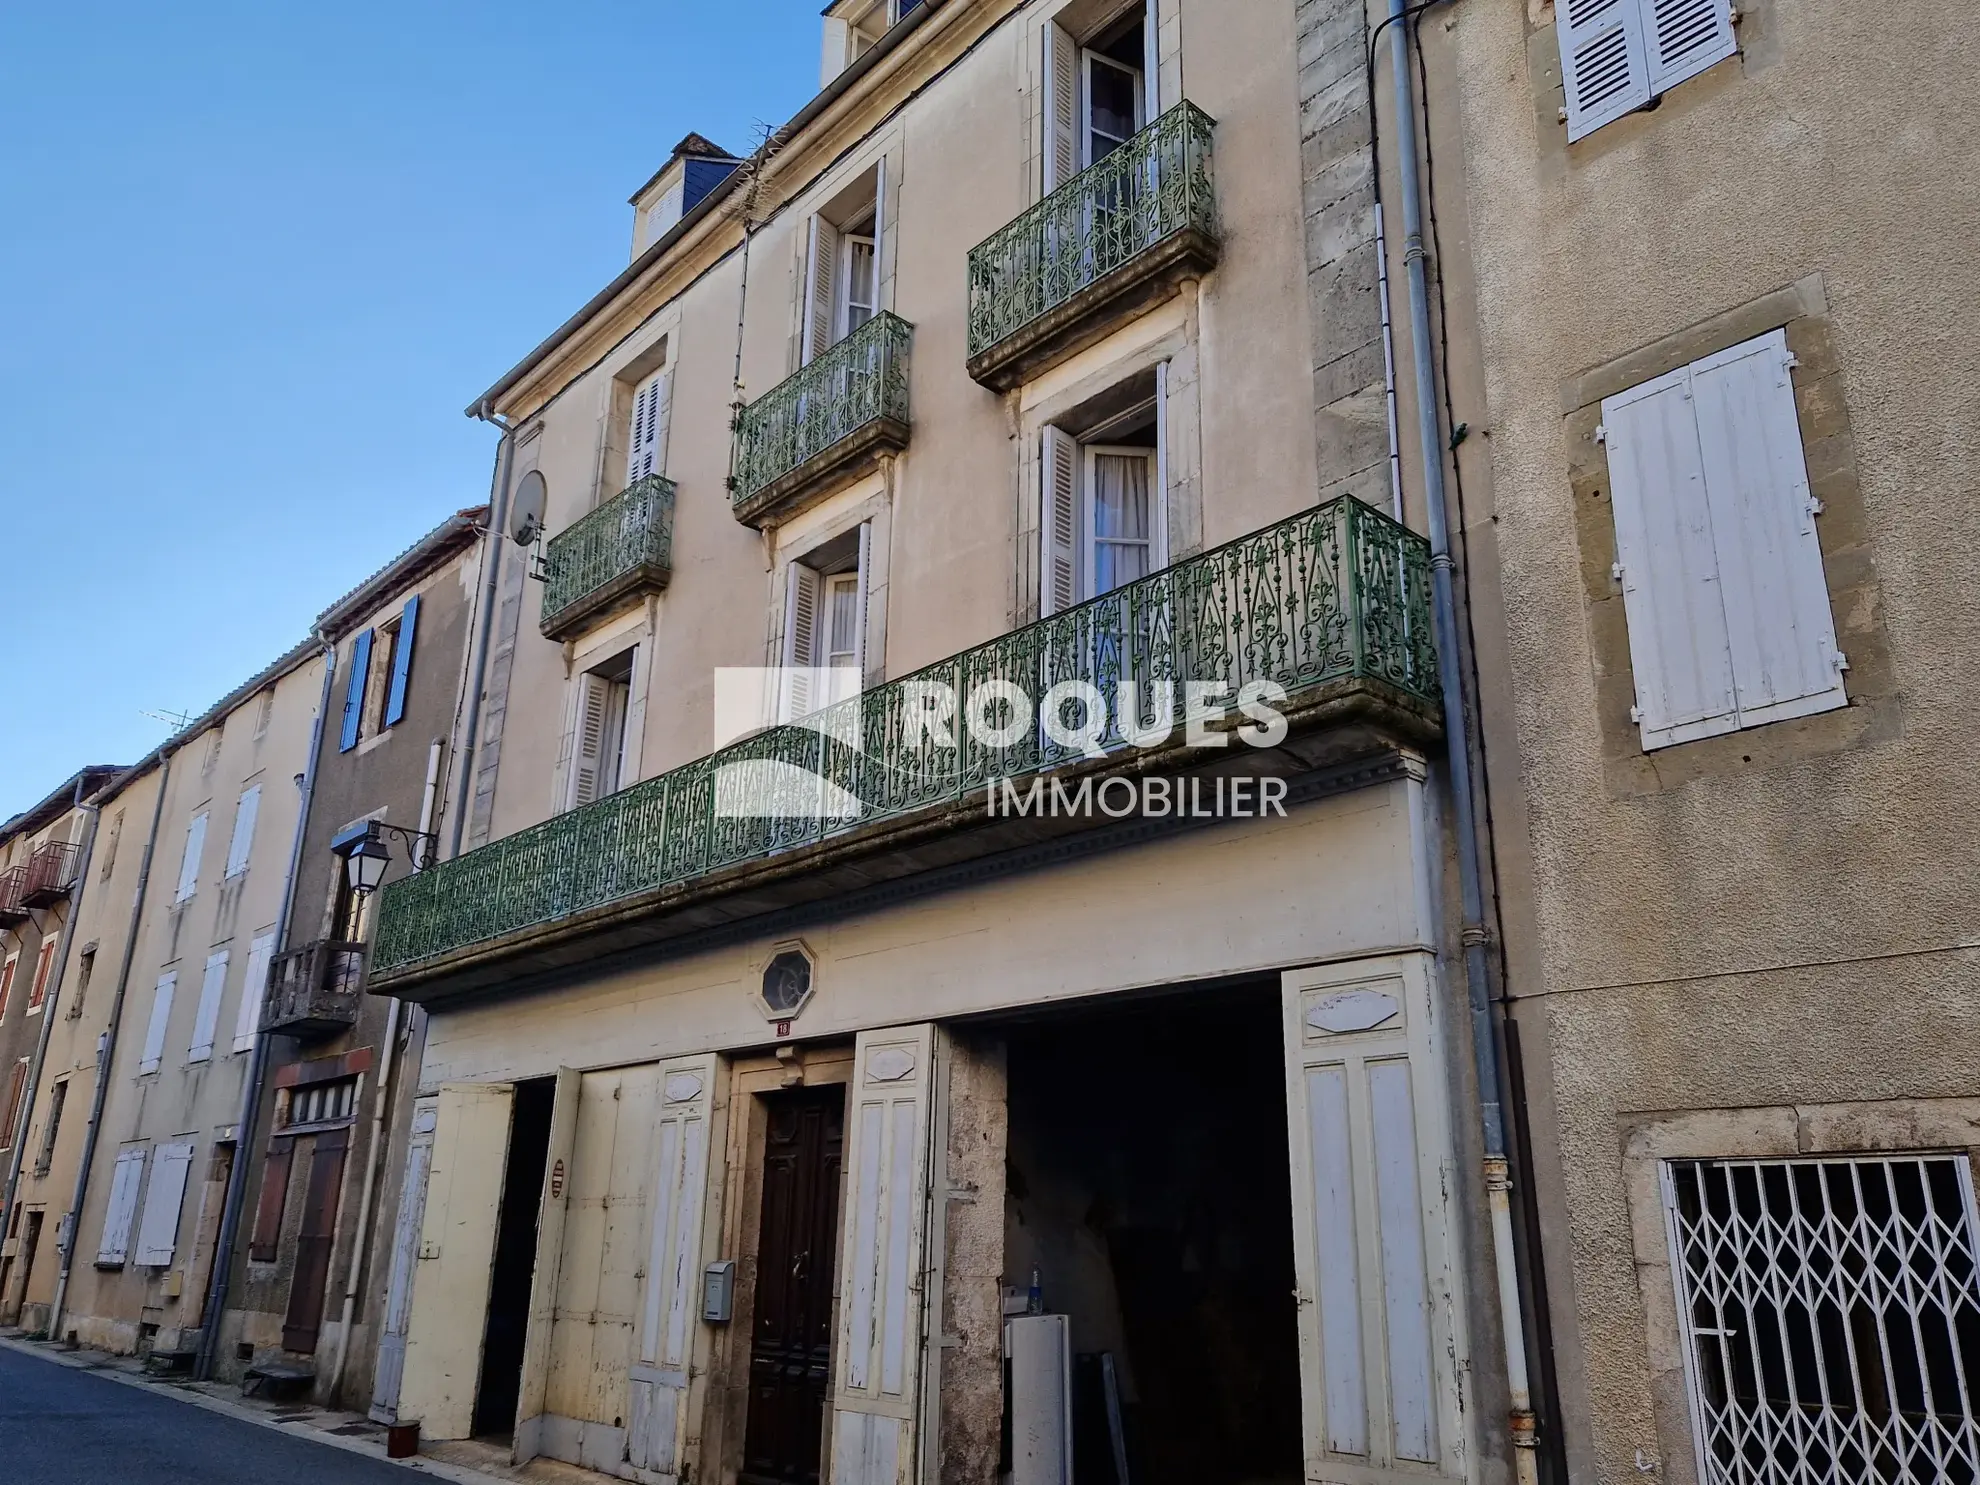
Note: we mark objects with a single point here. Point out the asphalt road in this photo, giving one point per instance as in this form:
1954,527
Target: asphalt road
62,1426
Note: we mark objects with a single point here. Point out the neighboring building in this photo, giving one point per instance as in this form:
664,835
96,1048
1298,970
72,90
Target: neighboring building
1718,361
326,1166
767,1086
42,869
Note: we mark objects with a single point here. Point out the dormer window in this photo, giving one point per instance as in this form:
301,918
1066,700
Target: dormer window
854,27
695,168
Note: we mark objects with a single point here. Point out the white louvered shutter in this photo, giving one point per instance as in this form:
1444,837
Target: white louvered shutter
161,1017
1151,60
587,759
876,1400
669,1314
1061,108
189,863
126,1181
158,1234
254,990
1605,64
1678,641
880,300
1685,37
644,451
208,1015
821,287
242,844
1059,524
1780,629
802,594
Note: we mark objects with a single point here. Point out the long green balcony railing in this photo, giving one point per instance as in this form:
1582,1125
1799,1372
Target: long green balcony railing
1337,593
624,546
1153,189
851,393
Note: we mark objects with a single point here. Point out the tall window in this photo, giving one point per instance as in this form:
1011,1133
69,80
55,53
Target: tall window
842,262
44,965
825,599
1103,518
1098,92
596,746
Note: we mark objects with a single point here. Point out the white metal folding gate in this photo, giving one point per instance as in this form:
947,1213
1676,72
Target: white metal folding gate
1830,1310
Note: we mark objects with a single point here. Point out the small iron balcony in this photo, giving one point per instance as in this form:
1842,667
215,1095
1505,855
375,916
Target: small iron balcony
819,430
1117,238
51,872
13,889
609,558
314,990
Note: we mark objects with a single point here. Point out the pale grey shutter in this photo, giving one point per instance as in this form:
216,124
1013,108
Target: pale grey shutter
161,1017
1151,60
242,843
1061,109
207,1017
587,759
126,1181
158,1235
1780,629
189,863
643,456
1685,37
1059,523
254,990
821,287
801,600
1605,67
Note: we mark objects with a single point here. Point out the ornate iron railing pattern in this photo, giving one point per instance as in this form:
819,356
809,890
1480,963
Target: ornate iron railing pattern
633,529
1157,184
861,380
1337,592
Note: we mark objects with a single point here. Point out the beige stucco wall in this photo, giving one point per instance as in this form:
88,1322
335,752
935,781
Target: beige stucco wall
1786,925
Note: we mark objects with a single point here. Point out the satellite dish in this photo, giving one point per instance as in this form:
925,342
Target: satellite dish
526,510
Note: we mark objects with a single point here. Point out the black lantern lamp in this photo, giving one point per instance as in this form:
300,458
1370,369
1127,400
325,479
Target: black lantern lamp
366,856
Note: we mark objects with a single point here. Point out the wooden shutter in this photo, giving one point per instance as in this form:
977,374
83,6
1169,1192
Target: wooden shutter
7,983
553,1204
126,1181
208,1015
1685,37
354,692
587,757
802,596
1061,107
643,448
1605,67
315,1237
254,991
241,846
670,1300
1780,628
158,1234
402,659
264,1244
821,287
44,963
189,863
1059,524
391,1367
876,1403
161,1018
16,1096
1678,641
1379,1315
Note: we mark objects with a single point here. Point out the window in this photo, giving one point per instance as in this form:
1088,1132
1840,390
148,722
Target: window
212,987
114,835
85,968
595,744
7,982
319,1103
378,677
842,282
58,1096
646,445
1097,93
381,662
161,1018
242,843
254,988
824,655
1830,1317
17,1077
1617,55
44,965
1723,587
189,862
1104,515
212,755
264,712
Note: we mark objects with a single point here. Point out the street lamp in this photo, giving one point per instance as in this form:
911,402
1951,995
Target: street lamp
366,856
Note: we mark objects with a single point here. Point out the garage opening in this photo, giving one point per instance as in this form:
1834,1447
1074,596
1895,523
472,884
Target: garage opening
1148,1202
500,1386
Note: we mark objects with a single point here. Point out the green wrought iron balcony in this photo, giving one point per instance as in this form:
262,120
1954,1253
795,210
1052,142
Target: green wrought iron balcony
1333,605
1114,240
607,559
817,431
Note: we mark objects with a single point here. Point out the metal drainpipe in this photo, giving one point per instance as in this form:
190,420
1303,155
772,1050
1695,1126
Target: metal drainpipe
213,1313
498,519
48,1005
106,1049
1484,1039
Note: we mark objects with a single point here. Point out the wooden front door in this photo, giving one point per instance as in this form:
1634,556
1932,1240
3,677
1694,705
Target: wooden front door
314,1240
790,1361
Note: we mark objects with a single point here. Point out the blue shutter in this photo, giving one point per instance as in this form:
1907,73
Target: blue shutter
395,699
354,691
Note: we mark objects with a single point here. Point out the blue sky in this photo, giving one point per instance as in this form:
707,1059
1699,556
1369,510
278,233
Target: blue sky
254,260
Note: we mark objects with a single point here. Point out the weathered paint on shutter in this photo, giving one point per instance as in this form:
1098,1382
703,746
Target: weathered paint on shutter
670,1299
241,846
254,990
1780,628
264,1244
1685,37
161,1018
189,863
643,453
1061,106
391,1369
354,692
821,287
876,1400
158,1234
207,1017
126,1181
553,1202
1678,642
456,1253
1380,1319
589,741
802,593
1605,66
10,1111
44,964
1059,523
402,659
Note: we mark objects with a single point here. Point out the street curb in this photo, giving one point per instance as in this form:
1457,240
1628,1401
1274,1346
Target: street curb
75,1361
